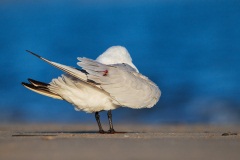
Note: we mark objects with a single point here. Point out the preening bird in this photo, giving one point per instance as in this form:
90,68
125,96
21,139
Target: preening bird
104,84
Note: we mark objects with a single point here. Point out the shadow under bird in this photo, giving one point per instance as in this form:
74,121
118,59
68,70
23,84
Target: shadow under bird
104,84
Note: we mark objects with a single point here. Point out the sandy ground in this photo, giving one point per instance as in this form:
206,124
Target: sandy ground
55,141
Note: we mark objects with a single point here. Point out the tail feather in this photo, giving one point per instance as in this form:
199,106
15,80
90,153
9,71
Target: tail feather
41,88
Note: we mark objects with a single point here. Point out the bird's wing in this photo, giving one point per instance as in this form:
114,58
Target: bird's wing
126,87
81,75
41,88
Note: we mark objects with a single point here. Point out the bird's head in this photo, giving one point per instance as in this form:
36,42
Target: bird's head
116,55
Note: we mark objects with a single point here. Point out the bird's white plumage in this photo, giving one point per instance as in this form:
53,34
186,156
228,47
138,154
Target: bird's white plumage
127,88
116,55
82,95
112,80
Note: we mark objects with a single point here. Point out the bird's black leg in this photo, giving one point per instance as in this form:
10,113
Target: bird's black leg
97,116
111,130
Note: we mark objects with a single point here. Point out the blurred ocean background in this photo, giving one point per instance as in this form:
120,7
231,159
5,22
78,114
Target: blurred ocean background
189,48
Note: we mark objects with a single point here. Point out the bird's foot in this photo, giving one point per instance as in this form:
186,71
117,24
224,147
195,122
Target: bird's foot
101,131
111,131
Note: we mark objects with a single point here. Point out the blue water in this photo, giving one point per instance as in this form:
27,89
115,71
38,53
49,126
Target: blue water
191,49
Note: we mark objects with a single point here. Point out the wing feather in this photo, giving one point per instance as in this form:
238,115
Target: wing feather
69,70
126,87
79,74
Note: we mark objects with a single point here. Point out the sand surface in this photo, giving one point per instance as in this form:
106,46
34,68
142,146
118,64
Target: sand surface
136,142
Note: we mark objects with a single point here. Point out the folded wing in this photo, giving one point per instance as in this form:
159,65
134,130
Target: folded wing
126,87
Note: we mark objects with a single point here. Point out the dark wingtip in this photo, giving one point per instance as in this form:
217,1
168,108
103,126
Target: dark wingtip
24,84
37,83
29,79
28,85
33,54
